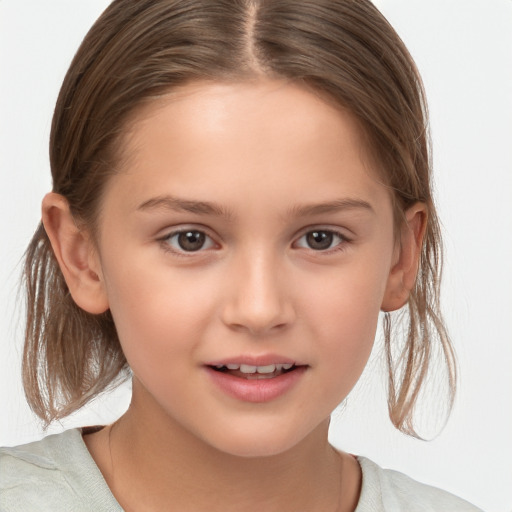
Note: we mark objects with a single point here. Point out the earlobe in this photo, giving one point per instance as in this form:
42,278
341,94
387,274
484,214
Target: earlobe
402,276
76,255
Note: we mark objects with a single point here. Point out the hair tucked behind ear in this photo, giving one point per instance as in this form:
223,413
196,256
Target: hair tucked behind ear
343,50
70,356
409,361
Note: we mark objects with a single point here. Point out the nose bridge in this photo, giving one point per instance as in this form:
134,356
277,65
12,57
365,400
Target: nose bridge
258,300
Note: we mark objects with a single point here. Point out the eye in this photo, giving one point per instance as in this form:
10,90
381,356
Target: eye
188,240
320,240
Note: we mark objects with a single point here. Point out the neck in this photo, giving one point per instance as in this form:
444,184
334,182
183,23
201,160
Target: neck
152,463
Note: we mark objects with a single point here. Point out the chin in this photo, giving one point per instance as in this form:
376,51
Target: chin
258,442
251,449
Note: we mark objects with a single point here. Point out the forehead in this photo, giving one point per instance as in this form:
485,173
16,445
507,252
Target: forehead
250,135
211,109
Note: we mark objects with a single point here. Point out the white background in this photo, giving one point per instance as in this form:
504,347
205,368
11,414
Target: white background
464,51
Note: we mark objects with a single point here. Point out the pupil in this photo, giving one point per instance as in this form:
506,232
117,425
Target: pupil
191,240
319,240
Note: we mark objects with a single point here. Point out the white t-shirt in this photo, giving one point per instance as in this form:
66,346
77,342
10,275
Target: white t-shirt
57,474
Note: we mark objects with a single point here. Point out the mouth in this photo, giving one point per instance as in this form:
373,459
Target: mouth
252,372
256,379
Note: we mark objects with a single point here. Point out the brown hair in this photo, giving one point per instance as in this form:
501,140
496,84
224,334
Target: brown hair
343,49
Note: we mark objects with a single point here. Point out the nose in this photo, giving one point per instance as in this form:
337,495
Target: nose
258,298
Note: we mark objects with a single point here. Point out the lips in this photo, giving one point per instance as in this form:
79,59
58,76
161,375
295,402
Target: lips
256,380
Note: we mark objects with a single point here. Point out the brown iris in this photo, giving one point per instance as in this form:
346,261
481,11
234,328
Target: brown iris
191,240
319,240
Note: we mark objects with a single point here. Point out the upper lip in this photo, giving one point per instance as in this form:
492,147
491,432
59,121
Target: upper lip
254,360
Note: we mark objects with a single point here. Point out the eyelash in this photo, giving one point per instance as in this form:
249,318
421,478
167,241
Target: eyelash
165,241
340,246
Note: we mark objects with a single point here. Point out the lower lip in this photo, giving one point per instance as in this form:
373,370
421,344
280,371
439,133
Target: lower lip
256,390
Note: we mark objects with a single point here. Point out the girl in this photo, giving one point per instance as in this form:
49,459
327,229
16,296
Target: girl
239,187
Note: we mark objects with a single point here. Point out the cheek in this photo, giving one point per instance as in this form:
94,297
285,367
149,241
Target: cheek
344,310
157,313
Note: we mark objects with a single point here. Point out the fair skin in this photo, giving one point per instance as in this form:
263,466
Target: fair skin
289,257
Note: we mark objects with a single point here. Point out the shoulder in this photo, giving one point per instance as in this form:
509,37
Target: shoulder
56,473
386,490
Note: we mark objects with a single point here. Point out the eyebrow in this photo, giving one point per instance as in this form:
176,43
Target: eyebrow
172,203
331,207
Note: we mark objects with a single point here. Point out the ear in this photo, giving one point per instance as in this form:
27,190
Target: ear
402,276
76,255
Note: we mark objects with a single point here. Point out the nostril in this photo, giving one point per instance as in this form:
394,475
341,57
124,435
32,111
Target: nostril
258,306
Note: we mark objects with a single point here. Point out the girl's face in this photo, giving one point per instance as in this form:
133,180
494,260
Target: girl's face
247,233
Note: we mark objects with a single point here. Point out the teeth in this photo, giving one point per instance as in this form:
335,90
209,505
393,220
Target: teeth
270,368
248,368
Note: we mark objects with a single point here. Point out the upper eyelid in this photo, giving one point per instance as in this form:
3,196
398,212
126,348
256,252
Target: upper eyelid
341,246
164,242
342,232
332,231
181,228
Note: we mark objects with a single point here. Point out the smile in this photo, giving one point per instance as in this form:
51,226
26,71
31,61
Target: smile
256,383
246,371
